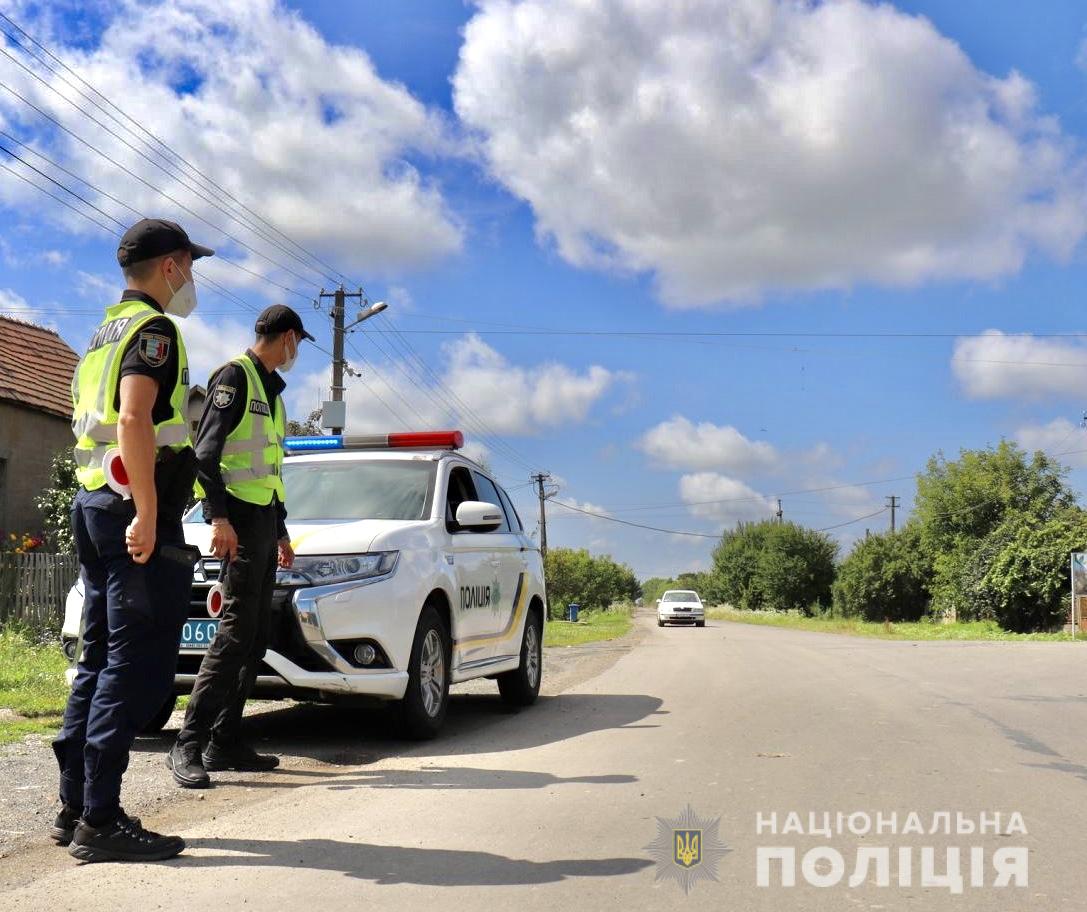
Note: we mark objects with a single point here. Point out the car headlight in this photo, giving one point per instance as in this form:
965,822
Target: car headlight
321,570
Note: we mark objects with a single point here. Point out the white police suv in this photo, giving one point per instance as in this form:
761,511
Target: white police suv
412,572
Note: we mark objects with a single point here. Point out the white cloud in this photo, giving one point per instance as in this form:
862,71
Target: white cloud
210,344
710,495
509,399
735,147
1055,438
303,131
13,304
680,444
994,365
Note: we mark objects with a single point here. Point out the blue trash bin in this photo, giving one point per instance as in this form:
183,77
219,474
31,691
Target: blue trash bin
572,609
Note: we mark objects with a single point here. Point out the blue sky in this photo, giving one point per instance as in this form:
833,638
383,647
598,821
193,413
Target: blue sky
838,169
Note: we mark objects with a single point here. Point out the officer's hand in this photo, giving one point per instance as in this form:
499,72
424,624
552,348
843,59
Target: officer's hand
224,540
140,539
286,553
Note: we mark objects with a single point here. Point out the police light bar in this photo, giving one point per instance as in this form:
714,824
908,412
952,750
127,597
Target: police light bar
430,440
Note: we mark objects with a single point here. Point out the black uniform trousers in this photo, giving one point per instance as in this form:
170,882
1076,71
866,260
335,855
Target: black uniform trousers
230,665
132,619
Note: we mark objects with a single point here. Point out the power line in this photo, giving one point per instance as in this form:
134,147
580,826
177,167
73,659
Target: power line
172,175
625,522
143,129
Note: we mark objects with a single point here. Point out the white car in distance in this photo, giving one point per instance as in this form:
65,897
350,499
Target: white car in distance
680,606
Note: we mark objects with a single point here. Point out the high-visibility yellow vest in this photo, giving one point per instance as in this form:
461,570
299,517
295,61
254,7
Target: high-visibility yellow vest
95,386
252,460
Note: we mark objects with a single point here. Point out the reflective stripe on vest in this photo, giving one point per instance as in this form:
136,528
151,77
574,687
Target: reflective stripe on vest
94,392
252,457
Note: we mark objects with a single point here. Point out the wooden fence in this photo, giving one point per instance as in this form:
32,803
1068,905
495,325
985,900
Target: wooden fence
33,588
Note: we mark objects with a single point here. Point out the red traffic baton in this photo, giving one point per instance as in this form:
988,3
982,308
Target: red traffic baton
116,474
215,593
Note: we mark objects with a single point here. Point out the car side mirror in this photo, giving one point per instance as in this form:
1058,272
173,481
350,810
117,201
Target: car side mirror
658,601
477,515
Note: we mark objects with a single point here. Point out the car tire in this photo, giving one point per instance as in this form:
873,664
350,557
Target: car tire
700,623
521,686
421,712
660,623
158,721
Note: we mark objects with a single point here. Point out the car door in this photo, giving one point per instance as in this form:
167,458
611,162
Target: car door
475,574
508,560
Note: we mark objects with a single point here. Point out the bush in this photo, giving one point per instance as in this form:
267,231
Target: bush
884,578
55,503
775,566
593,582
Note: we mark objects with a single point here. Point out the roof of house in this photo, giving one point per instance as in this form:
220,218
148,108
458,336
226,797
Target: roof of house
36,367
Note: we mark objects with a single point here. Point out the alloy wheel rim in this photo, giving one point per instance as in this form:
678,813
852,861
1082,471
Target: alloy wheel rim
432,673
532,647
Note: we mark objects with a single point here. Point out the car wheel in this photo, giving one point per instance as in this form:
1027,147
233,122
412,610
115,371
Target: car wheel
521,686
700,623
422,710
660,623
158,722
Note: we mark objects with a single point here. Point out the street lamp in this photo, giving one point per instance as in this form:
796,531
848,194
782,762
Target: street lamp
372,311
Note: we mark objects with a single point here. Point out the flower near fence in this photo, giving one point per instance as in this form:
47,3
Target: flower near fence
20,542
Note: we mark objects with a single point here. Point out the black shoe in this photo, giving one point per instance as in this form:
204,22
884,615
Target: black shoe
240,757
63,828
122,840
184,761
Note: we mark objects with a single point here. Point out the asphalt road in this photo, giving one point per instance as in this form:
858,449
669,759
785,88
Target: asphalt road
554,807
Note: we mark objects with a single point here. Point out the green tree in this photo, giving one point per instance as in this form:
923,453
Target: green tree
961,503
775,566
308,428
55,503
593,582
884,578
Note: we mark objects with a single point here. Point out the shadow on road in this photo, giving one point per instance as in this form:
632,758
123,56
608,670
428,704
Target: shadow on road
401,864
345,736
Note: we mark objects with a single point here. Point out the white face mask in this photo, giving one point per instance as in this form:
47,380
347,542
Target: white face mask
183,301
291,358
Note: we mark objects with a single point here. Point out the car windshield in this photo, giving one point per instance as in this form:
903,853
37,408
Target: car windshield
367,489
681,596
341,491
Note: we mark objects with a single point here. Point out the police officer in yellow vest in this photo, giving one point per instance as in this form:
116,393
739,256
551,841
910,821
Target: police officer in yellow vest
130,392
239,448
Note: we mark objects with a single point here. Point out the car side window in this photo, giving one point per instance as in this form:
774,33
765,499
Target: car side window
489,494
460,490
511,512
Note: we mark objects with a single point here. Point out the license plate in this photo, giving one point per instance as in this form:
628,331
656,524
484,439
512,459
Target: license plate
198,634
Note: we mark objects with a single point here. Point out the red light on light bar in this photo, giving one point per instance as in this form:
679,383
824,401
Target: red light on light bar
451,440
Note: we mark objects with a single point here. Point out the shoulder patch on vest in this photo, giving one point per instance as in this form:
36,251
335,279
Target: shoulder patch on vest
224,395
153,348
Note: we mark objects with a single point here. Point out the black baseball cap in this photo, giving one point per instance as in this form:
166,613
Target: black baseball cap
279,318
150,238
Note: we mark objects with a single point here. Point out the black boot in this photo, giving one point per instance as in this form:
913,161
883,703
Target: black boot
63,828
123,839
184,761
240,757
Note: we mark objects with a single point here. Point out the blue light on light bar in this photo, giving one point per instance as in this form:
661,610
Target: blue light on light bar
312,444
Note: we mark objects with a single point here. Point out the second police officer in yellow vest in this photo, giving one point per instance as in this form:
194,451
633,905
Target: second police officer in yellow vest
239,448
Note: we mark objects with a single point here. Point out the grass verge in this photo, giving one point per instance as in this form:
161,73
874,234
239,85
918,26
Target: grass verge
592,627
918,630
32,687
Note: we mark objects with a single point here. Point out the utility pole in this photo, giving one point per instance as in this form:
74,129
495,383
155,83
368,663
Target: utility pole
339,330
893,502
780,513
540,478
